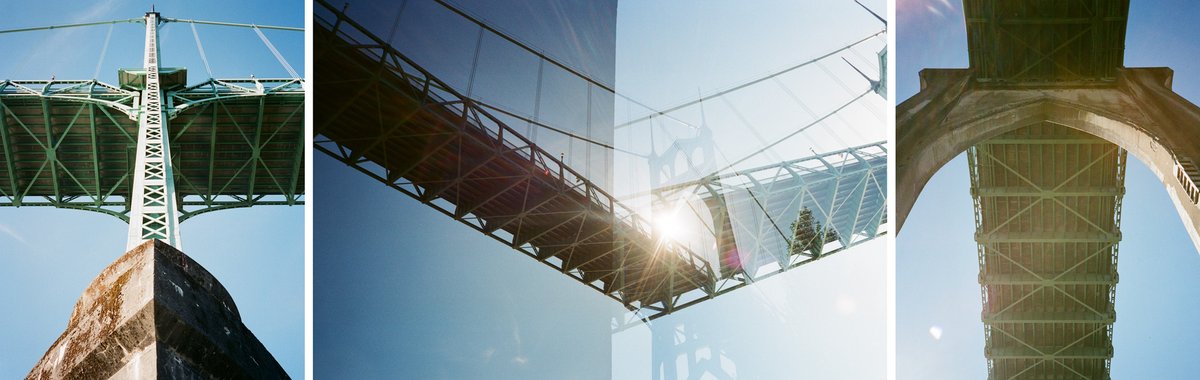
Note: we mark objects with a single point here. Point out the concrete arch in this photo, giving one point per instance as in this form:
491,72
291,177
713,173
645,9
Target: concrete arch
1139,113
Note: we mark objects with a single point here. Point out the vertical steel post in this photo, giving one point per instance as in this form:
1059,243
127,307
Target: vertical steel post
153,213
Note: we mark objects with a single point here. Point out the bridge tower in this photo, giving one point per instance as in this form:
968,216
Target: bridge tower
153,214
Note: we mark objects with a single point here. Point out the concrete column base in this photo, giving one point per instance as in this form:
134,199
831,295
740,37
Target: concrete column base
155,313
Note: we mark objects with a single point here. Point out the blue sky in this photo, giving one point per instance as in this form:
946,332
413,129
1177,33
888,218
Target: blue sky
402,289
936,264
48,256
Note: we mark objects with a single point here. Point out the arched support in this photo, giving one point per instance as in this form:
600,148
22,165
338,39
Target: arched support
1139,112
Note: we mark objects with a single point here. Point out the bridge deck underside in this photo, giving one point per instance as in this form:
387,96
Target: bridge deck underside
1034,42
1048,202
379,111
72,153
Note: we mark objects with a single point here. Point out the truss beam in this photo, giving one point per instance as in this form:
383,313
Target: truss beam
1047,207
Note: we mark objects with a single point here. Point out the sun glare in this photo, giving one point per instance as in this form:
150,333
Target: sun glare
670,226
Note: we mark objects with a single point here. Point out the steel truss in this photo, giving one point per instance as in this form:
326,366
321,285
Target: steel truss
1047,212
405,128
1077,42
747,215
69,144
72,144
153,213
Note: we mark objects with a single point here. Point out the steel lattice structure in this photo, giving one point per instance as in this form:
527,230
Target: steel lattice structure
747,215
152,151
152,210
407,129
1048,215
1047,115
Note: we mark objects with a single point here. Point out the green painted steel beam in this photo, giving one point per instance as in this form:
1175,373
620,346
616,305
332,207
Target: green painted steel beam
51,157
8,154
297,166
255,146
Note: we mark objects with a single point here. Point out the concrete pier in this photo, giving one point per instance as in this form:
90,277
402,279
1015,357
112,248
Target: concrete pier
155,313
1138,111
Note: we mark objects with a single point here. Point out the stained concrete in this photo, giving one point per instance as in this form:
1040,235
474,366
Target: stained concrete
156,313
1138,112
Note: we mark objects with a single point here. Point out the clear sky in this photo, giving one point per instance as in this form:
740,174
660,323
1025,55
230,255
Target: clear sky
48,256
936,266
402,289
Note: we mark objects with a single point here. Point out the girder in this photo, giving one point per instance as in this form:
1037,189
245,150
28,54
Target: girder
96,134
748,214
1048,224
1032,42
1048,278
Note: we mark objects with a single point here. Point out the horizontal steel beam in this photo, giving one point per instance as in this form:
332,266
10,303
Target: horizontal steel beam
1047,237
1060,353
1035,317
1014,191
1048,279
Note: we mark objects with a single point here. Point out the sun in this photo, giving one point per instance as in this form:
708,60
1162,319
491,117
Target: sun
670,226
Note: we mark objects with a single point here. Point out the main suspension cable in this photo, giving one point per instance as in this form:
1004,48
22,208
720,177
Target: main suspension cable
131,20
252,26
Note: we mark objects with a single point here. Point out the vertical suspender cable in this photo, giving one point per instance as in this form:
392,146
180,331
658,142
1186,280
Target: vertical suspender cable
276,52
103,52
200,47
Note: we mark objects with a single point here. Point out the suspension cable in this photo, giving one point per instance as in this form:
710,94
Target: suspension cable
200,47
276,52
252,26
103,52
131,20
788,136
750,83
544,57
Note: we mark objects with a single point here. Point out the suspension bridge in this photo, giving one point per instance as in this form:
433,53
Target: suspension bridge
154,150
403,126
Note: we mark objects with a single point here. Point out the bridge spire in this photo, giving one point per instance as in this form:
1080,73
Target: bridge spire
153,210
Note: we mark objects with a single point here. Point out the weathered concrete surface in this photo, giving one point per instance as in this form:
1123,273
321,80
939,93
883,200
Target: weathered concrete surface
1139,112
155,313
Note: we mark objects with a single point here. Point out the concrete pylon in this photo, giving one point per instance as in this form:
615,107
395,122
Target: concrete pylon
155,313
1138,112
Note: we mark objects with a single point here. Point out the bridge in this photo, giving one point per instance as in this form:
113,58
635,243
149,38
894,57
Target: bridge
403,126
152,150
1048,115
